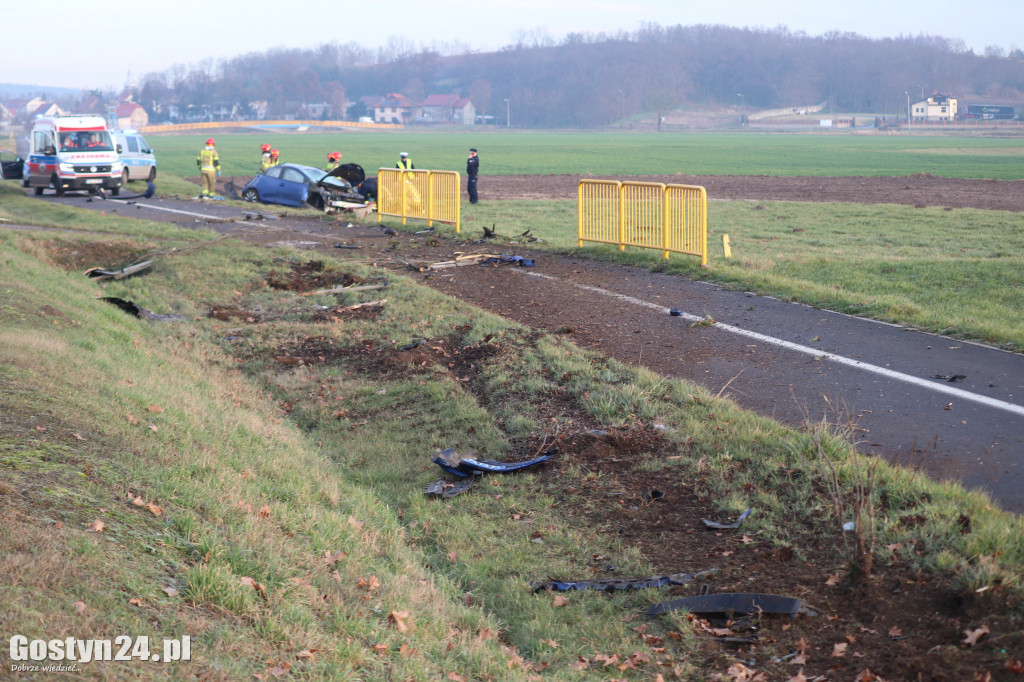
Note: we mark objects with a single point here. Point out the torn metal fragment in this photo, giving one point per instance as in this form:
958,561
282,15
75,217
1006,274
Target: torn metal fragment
127,271
445,488
726,526
518,260
730,602
449,460
620,583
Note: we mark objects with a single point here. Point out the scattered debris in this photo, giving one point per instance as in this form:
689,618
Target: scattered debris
674,312
444,488
359,305
415,343
150,191
951,378
491,233
518,260
343,289
139,311
341,245
127,271
655,495
621,583
727,526
454,463
426,231
730,602
295,244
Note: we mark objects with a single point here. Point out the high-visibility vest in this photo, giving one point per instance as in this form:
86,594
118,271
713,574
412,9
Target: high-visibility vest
208,159
265,161
405,163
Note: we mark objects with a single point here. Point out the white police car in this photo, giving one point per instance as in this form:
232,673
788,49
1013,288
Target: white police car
137,159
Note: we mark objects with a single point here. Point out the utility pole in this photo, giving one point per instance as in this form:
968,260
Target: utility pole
908,109
508,113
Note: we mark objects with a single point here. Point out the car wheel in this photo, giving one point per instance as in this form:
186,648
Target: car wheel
39,191
251,195
124,177
317,202
152,174
57,186
114,191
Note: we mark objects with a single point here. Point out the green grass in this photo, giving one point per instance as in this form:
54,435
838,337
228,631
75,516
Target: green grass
528,153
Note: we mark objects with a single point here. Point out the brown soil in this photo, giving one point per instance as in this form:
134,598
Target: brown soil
914,190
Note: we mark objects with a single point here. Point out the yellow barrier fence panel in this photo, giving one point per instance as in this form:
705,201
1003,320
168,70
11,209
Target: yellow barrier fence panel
389,193
598,213
643,214
686,212
416,191
446,198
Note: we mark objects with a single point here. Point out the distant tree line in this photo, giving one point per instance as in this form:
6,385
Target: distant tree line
593,80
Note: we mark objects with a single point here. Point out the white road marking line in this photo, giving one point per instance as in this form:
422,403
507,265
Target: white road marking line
807,350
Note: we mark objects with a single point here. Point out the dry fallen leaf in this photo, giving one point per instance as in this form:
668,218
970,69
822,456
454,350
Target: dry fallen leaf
131,418
79,606
154,509
895,632
485,634
171,591
135,602
358,525
833,579
839,649
1015,665
559,600
799,659
550,642
455,677
399,620
799,677
306,653
139,502
974,635
155,408
97,526
264,512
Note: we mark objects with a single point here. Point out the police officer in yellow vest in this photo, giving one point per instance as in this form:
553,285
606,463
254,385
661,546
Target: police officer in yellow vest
209,167
404,162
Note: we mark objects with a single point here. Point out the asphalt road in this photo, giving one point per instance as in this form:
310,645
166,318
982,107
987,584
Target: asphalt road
785,360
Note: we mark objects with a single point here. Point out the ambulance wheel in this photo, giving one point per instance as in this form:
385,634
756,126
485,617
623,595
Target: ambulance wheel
124,177
39,191
114,191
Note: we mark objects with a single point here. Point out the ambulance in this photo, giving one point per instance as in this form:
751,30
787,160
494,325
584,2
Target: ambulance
72,152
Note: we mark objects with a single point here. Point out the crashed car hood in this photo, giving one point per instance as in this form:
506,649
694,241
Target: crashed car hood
352,173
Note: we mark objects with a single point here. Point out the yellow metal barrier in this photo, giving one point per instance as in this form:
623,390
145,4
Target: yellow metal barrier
420,194
671,218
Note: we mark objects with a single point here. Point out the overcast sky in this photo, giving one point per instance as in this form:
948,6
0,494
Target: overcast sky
95,46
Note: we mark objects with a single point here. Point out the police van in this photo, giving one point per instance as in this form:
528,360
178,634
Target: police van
72,152
137,159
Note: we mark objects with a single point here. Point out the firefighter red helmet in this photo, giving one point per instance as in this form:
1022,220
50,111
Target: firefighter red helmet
334,156
273,152
209,141
264,147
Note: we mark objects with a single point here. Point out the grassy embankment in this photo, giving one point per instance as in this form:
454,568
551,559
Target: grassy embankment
174,478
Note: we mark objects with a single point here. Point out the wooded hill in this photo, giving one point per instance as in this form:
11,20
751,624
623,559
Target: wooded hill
591,81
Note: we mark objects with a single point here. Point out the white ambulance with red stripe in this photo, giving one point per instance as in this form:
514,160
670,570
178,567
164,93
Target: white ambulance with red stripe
72,153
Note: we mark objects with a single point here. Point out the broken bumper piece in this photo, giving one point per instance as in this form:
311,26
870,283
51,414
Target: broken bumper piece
730,602
460,466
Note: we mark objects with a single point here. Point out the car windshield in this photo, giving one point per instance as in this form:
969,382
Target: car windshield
91,141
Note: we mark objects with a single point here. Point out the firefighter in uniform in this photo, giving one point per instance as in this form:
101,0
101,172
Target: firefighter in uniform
209,167
333,161
275,157
264,157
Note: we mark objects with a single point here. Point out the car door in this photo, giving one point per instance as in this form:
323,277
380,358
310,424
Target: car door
292,190
11,165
